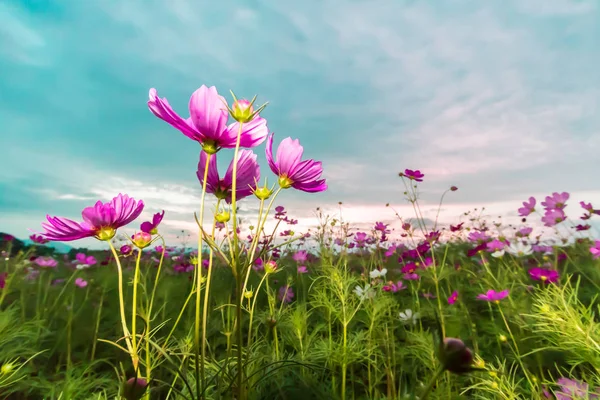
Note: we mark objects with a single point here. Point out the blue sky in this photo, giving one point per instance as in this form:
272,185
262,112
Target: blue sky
498,97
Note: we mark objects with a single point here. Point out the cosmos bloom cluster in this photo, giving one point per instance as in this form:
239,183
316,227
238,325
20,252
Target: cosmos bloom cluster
208,125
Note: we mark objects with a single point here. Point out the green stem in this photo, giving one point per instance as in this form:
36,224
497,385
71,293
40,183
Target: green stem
431,383
126,333
136,278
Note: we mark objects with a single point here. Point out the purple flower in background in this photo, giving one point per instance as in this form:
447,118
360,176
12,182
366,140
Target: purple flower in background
415,175
125,249
492,295
553,217
3,277
302,269
300,256
82,259
208,121
152,227
453,297
100,220
524,232
81,282
248,173
292,172
544,275
556,201
394,287
286,294
528,207
595,250
39,239
495,245
46,262
571,389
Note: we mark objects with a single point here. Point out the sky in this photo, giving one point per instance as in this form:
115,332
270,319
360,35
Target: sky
499,98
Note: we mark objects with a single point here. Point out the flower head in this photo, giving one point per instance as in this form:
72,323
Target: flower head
595,250
100,220
544,275
415,175
556,201
553,217
152,227
80,282
286,294
248,173
46,262
134,388
39,239
528,207
291,170
208,121
492,295
456,356
453,297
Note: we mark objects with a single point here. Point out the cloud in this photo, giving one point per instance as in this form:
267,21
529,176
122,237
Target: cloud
498,99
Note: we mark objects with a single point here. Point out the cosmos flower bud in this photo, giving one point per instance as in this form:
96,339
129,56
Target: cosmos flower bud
263,193
141,239
453,188
248,294
134,388
125,249
242,110
270,266
7,368
456,357
223,216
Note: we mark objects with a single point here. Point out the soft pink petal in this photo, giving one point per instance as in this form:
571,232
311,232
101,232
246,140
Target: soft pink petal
289,154
162,109
208,112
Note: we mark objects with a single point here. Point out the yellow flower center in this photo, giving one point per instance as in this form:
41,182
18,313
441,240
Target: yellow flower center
105,233
285,182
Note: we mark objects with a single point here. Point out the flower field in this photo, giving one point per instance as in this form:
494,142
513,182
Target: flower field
476,310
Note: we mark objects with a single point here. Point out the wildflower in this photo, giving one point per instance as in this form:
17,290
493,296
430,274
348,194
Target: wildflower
208,121
302,269
300,256
378,273
524,232
409,317
248,173
498,253
411,276
381,227
46,262
7,238
453,297
286,294
595,250
553,217
572,389
415,175
479,237
134,388
100,221
152,227
544,275
495,245
528,207
270,267
494,296
39,239
455,356
125,249
223,216
453,188
141,239
292,172
364,292
394,287
456,228
580,227
81,282
556,201
519,249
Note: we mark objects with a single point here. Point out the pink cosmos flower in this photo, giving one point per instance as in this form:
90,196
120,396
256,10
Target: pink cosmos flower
46,262
81,282
595,250
571,389
292,172
152,227
495,245
300,256
100,220
492,295
553,217
125,249
524,232
394,287
38,239
286,294
456,228
528,207
302,269
544,275
248,173
415,175
208,121
82,259
556,201
453,297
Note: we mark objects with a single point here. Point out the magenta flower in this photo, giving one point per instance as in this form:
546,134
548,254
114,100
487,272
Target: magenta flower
524,232
544,275
46,262
556,201
292,172
415,175
38,239
492,295
81,282
3,277
286,294
302,269
100,221
208,121
495,245
394,287
571,389
152,227
528,207
453,297
248,173
595,250
553,217
125,249
300,256
82,259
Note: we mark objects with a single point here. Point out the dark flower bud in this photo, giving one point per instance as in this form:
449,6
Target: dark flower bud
134,388
456,357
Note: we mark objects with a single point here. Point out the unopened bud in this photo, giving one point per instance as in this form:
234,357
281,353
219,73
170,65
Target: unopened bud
456,356
134,388
270,266
263,193
141,239
242,110
453,188
223,216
